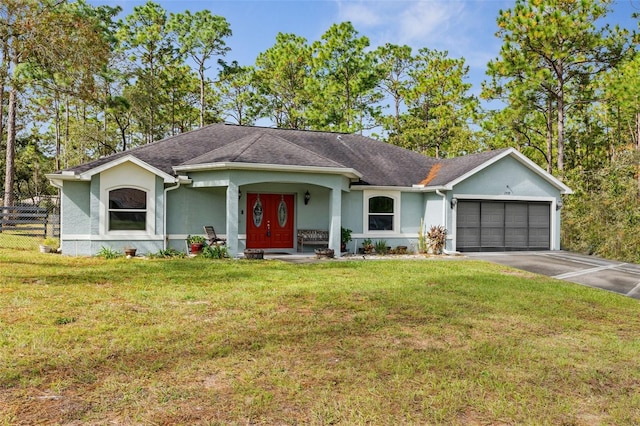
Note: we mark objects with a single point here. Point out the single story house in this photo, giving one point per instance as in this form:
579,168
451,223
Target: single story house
258,187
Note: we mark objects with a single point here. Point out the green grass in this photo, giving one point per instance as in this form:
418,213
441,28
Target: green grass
196,341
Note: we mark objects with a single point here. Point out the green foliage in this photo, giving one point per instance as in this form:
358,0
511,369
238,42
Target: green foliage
380,247
239,97
342,91
168,253
54,243
345,235
196,239
440,107
200,36
550,53
108,253
602,217
64,320
282,75
215,252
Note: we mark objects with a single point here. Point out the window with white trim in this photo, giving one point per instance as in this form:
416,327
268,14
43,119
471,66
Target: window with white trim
127,210
381,213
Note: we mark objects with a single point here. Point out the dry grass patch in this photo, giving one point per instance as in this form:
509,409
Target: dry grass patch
192,341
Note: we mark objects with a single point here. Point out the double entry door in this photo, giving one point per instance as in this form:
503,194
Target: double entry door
270,221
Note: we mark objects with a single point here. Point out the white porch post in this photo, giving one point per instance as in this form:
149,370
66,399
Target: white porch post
232,219
335,210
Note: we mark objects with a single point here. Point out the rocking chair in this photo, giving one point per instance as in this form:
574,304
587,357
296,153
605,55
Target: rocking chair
212,238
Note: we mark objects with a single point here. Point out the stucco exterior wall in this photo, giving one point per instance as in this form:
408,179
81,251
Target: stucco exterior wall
507,177
76,211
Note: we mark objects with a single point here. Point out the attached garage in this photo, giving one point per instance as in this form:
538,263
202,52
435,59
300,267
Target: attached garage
503,225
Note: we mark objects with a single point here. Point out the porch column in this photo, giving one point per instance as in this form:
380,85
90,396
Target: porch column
335,212
232,219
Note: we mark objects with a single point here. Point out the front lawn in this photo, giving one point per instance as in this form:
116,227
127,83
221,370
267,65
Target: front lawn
195,341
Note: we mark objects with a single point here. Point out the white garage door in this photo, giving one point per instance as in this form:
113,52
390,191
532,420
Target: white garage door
503,226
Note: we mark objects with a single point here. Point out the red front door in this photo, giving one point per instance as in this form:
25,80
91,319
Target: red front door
269,221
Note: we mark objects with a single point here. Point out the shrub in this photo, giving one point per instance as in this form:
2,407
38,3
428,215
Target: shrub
367,245
381,247
54,243
108,253
169,253
215,252
437,236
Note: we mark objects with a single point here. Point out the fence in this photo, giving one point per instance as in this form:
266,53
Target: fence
31,219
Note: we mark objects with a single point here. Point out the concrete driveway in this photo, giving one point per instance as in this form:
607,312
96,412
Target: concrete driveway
618,277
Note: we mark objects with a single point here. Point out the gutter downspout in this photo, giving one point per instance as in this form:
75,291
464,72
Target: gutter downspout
444,219
164,213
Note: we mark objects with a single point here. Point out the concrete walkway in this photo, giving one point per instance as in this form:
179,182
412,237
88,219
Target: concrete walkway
618,277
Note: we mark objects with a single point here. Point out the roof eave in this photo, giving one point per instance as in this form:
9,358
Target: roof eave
87,175
348,172
564,189
428,188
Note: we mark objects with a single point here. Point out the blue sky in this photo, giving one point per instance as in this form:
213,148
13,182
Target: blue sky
465,28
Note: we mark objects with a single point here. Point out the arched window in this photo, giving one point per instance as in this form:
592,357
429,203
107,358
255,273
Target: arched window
127,210
381,213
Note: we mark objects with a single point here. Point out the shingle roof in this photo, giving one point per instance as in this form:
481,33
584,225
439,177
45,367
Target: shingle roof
450,169
264,148
380,164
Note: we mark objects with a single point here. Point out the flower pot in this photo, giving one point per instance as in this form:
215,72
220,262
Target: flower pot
196,247
130,252
45,249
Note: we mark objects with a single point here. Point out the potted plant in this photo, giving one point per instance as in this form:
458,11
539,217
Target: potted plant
345,238
49,245
196,242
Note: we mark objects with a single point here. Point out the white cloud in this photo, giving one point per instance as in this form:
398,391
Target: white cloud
412,22
425,21
359,13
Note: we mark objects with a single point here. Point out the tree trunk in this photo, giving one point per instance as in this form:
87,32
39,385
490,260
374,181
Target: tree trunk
202,89
11,149
1,107
57,129
561,132
549,135
637,140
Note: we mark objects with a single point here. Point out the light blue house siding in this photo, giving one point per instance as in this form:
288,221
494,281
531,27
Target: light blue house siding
76,211
410,210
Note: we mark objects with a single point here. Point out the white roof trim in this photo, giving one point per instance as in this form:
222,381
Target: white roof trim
349,172
86,176
386,188
564,189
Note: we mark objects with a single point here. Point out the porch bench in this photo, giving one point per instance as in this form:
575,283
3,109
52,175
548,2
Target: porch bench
316,237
